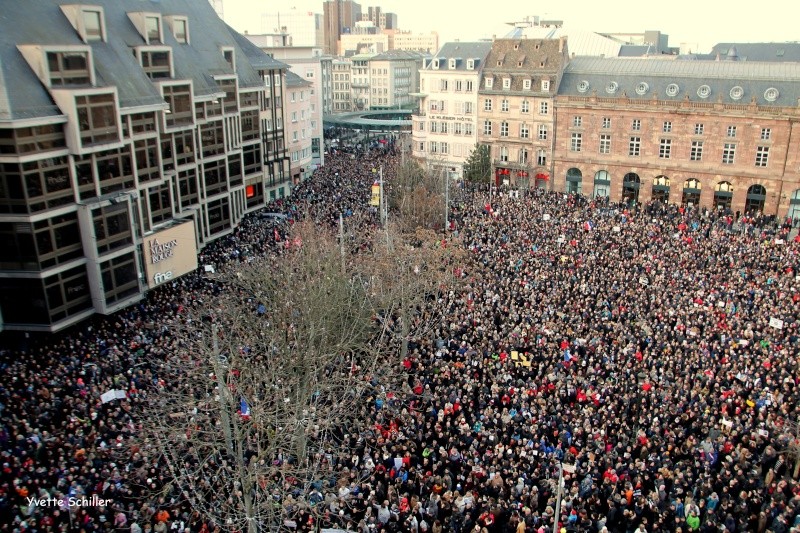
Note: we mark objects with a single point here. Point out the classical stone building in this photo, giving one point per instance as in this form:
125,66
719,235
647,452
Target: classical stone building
515,107
131,134
721,134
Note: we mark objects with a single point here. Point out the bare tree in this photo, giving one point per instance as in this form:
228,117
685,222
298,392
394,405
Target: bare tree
267,378
417,195
424,270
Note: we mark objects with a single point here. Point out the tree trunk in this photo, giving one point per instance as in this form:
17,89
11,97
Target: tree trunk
405,332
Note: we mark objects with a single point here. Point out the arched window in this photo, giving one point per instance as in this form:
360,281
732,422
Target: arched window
630,188
574,179
756,196
723,195
691,192
602,184
794,207
660,189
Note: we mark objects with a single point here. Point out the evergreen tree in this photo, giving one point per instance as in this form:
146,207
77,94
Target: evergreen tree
478,168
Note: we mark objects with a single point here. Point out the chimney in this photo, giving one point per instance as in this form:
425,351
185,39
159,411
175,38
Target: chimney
561,42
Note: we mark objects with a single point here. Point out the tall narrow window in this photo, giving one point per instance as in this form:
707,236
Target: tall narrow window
181,30
93,25
728,153
152,26
576,142
697,151
665,148
762,156
605,143
634,146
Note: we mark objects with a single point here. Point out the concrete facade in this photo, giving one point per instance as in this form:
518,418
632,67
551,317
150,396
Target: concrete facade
338,17
311,65
341,71
415,42
299,129
393,77
306,28
103,155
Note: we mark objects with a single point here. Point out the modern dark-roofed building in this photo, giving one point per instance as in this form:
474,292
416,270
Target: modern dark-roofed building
721,134
131,134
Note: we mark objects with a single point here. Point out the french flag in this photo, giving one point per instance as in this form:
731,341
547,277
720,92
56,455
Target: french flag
244,409
588,225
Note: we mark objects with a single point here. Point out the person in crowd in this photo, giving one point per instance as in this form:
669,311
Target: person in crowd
649,353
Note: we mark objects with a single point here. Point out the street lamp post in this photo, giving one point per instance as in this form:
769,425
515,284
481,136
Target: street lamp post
559,495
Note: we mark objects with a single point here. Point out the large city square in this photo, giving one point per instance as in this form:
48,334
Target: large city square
342,277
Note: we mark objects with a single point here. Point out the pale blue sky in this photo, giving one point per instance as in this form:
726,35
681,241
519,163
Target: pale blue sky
702,23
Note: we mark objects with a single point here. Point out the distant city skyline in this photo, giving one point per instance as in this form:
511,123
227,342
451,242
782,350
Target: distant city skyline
701,25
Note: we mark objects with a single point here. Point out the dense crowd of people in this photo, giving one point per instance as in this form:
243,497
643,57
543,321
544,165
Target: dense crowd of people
649,354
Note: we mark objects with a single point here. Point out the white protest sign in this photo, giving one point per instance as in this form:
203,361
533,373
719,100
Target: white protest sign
776,323
113,394
615,229
108,396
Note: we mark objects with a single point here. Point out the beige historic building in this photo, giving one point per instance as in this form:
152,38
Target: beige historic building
444,130
516,107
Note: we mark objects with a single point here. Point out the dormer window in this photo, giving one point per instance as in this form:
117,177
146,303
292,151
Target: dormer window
180,28
227,53
92,25
152,25
470,64
148,25
68,68
516,46
157,64
546,85
488,82
506,83
526,85
452,64
436,64
87,20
